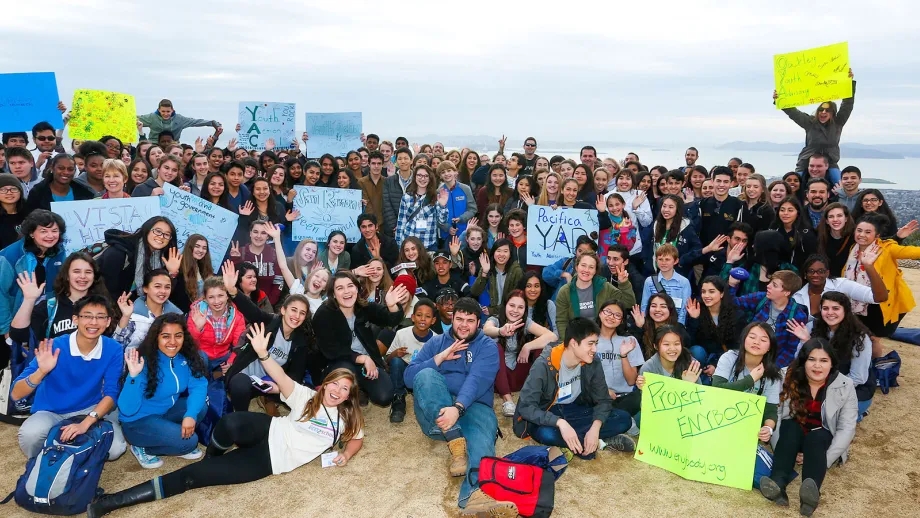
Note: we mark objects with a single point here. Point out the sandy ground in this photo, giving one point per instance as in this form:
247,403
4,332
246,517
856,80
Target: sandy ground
400,473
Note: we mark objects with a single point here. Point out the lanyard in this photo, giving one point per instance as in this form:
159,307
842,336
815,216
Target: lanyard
335,431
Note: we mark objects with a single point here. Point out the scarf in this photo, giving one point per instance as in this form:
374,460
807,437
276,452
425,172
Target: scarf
855,271
153,262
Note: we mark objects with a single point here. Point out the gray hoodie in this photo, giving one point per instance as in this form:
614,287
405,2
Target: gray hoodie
821,138
175,124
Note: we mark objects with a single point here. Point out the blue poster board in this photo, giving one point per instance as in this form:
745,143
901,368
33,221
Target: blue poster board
333,133
27,99
324,209
260,121
195,215
88,220
551,234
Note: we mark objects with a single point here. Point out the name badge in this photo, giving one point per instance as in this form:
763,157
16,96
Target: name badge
565,392
327,459
678,303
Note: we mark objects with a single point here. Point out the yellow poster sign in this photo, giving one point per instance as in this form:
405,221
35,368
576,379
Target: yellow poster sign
812,76
97,113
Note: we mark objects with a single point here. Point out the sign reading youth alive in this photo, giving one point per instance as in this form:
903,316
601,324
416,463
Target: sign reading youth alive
324,209
698,432
333,133
261,121
96,113
194,215
26,99
88,220
812,76
551,234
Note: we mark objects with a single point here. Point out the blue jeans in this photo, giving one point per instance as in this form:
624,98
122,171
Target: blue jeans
580,418
699,354
162,434
862,407
397,369
833,176
478,425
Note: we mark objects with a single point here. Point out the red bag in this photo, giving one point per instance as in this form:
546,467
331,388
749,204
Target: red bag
530,487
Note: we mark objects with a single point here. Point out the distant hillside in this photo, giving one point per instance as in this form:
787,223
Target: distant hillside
850,150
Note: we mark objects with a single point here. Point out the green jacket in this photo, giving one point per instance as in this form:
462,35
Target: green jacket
512,278
567,298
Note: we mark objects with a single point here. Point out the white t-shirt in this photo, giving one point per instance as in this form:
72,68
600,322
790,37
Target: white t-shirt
293,443
405,337
608,353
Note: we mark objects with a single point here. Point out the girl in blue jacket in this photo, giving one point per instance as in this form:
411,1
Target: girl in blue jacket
157,419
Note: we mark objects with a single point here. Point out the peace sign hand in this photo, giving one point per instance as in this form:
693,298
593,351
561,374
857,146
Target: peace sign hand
125,304
510,328
235,249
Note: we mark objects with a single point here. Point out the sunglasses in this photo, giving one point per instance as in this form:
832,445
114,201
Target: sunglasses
46,139
824,110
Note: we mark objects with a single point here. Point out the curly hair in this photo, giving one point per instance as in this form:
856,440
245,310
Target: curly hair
850,335
149,350
795,387
725,332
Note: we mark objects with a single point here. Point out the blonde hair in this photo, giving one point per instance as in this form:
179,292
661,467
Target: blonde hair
349,410
115,164
297,263
544,196
763,188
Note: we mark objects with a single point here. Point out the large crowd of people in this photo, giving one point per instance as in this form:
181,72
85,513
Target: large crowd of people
719,276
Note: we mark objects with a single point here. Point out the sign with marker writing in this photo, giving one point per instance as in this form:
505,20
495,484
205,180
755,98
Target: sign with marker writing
88,220
324,209
27,99
812,76
333,133
260,121
96,113
195,215
551,234
699,432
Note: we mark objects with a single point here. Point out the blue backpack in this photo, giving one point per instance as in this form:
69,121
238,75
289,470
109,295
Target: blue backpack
64,477
887,368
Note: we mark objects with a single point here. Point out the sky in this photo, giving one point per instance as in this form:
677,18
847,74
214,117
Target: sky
653,72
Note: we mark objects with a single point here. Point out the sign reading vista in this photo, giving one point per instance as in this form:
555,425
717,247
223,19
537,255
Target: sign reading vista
324,209
260,121
88,220
698,432
551,234
812,76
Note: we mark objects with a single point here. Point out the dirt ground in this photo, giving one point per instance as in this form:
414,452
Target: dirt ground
400,473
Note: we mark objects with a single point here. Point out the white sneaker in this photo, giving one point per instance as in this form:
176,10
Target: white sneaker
508,408
193,455
146,461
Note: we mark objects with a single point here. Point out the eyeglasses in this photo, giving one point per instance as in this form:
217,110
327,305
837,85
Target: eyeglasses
870,200
159,233
819,271
8,190
824,110
425,176
94,318
45,138
612,314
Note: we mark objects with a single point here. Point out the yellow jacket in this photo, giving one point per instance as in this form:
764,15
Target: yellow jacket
900,298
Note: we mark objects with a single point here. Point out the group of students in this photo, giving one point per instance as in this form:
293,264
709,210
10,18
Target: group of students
430,301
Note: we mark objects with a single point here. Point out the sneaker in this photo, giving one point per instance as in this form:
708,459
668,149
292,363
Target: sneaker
146,461
569,455
772,492
193,455
621,442
481,504
809,496
508,408
398,409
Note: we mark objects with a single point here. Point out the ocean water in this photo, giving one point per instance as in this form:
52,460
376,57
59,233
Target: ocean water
902,173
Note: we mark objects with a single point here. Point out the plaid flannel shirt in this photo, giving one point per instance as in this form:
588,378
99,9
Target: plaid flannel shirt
786,341
425,222
220,324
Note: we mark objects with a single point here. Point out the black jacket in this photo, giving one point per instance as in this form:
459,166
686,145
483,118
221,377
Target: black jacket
117,262
334,335
304,355
389,251
40,195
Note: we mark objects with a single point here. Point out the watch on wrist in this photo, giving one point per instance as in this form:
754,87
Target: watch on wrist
460,408
94,415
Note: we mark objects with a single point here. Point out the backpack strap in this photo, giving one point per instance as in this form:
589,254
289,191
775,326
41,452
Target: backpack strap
760,306
658,287
52,311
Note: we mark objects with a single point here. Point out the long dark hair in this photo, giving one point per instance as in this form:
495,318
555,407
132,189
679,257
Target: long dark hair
271,210
685,358
224,199
661,231
883,209
242,268
620,329
795,386
541,306
850,334
424,270
770,370
649,332
725,331
824,230
146,228
150,347
431,191
503,319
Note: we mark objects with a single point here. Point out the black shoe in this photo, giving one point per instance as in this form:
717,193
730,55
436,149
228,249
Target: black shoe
138,494
398,409
809,495
363,400
772,492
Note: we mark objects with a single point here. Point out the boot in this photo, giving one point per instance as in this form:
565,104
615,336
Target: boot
809,496
458,458
483,505
138,494
270,406
398,408
773,492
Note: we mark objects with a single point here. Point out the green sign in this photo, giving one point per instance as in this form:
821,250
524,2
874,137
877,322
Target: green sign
700,433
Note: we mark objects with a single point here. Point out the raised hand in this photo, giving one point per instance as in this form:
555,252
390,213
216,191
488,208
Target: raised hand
639,199
140,127
363,138
173,261
908,229
474,221
484,264
527,199
692,374
292,215
638,316
455,245
716,244
870,254
622,274
125,304
230,276
199,145
134,361
451,353
247,208
734,254
235,249
850,75
837,187
627,346
273,231
238,127
198,317
799,330
396,294
601,203
269,144
30,290
693,308
45,358
258,338
502,141
232,144
775,95
442,197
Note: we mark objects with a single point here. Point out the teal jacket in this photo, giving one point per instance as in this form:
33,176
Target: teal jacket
15,259
175,377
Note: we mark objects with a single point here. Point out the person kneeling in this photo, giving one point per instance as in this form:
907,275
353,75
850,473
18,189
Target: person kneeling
265,445
565,401
157,419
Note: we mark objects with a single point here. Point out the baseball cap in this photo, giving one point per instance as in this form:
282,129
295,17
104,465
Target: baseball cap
447,293
440,254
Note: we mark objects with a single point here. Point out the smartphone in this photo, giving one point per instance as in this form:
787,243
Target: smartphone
260,384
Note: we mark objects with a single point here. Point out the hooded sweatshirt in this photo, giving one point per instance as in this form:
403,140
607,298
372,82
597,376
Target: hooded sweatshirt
176,123
470,378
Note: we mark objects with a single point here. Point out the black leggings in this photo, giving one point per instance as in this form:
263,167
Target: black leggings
242,392
249,462
792,440
379,391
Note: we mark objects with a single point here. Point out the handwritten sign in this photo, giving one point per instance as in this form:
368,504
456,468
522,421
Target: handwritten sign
812,76
96,113
551,234
698,432
261,121
333,133
194,215
324,209
88,220
27,99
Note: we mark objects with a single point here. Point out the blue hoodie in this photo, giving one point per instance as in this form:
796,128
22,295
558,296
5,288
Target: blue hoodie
175,377
470,378
460,204
14,260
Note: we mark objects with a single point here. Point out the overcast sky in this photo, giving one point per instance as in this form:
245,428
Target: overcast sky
647,72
